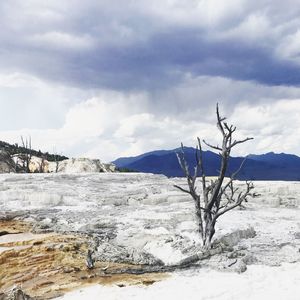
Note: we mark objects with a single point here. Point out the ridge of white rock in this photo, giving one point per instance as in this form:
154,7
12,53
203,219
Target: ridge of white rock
40,165
81,165
37,164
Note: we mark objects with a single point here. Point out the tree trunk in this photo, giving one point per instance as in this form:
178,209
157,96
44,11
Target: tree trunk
209,223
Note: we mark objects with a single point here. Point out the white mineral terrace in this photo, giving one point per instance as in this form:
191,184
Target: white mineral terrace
145,212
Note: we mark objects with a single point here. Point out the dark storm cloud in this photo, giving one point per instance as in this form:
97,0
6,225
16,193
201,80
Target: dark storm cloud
165,58
92,45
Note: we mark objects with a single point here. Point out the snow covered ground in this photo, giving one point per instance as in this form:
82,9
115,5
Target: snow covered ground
144,214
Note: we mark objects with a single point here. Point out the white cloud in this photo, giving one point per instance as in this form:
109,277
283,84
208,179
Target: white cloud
28,102
255,27
62,40
275,126
289,48
113,124
17,80
202,13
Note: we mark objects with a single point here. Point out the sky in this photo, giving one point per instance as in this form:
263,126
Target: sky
105,79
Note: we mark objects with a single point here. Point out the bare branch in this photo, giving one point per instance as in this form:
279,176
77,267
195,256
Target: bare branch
240,199
240,142
183,164
220,120
182,189
211,146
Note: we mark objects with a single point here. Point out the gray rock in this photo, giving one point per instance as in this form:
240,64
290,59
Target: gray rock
249,259
297,235
7,165
113,253
237,265
232,239
15,294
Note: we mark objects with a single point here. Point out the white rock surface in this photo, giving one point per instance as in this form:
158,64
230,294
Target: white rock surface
258,283
145,212
81,165
145,215
38,164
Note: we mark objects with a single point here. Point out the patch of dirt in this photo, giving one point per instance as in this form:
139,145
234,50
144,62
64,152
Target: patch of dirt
48,265
14,226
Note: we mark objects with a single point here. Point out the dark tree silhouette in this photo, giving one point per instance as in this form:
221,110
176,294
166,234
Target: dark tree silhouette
26,157
218,195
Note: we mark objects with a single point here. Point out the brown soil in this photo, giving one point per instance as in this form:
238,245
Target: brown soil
46,266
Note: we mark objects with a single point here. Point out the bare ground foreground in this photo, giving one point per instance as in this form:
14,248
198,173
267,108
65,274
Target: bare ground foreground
140,229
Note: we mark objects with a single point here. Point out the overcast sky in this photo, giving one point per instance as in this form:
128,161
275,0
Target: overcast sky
105,79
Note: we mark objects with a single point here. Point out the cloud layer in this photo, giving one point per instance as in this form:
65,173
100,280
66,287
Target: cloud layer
151,45
111,78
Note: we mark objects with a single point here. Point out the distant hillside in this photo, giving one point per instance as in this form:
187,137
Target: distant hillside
268,166
16,149
281,159
125,161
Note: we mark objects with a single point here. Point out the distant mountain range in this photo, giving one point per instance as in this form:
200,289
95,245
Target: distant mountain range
269,166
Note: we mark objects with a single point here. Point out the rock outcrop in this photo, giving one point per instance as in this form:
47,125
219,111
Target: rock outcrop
81,165
41,165
38,165
7,165
113,253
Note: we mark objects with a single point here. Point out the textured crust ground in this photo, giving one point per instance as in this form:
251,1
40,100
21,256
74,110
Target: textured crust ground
48,265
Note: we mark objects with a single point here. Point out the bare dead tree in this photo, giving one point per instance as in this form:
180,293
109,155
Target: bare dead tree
56,160
218,196
42,166
26,157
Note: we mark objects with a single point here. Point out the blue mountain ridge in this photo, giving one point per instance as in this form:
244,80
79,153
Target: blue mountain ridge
269,166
